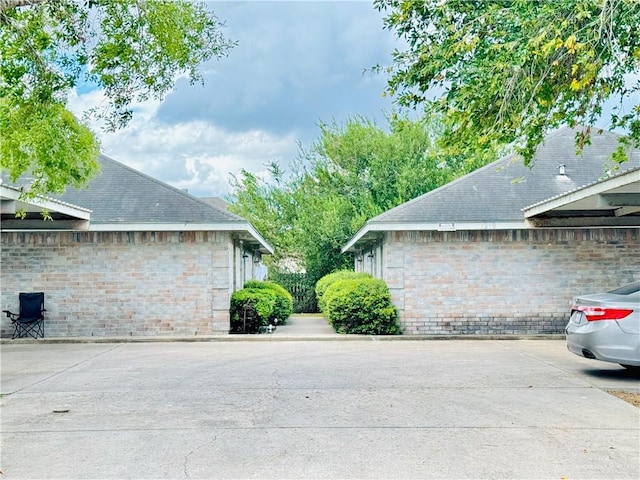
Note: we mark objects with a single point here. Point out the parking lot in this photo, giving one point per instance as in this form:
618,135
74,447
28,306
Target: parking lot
269,408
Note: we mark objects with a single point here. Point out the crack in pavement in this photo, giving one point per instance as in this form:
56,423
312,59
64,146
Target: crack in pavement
66,369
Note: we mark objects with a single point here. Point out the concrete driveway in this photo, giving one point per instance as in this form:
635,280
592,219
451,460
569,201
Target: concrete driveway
326,409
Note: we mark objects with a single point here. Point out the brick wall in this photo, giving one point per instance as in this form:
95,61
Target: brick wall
503,282
121,283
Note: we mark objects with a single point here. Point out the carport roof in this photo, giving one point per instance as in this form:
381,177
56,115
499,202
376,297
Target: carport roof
613,201
12,202
493,197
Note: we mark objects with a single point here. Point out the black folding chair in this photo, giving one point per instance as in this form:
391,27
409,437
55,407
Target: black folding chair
30,321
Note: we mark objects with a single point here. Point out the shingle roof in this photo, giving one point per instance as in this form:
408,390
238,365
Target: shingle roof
621,172
499,191
613,201
119,194
12,193
494,196
121,198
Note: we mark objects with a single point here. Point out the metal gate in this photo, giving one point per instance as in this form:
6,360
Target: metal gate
301,289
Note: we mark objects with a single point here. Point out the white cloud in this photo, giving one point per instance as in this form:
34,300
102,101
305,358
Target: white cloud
194,155
296,64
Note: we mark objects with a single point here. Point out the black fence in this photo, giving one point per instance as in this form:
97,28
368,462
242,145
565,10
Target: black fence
301,289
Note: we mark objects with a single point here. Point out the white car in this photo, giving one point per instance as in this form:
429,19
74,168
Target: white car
606,326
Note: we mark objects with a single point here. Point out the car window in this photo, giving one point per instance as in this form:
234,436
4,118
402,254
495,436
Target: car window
627,289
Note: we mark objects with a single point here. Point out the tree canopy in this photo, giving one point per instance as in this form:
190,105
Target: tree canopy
351,173
506,72
132,50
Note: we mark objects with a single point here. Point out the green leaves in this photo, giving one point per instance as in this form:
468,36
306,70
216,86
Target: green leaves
349,175
506,72
132,49
250,309
361,306
142,47
50,142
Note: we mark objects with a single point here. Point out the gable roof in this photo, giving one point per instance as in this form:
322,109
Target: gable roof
121,195
123,199
494,196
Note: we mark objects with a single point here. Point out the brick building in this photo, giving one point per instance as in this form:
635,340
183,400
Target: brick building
127,256
504,249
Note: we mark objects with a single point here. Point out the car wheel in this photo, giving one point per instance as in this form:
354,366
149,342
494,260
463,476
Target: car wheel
633,368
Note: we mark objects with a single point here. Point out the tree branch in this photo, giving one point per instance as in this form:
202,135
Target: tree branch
9,4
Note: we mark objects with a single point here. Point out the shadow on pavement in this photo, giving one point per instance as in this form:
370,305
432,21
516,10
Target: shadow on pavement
623,374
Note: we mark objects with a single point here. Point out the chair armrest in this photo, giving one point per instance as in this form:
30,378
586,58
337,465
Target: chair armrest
12,316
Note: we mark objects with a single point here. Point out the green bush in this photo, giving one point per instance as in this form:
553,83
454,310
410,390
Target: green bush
327,280
361,305
251,309
283,306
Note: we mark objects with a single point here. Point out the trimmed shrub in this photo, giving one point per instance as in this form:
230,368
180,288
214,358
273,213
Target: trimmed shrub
283,306
251,309
327,280
362,306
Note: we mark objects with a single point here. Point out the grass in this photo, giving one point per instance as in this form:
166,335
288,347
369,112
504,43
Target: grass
632,398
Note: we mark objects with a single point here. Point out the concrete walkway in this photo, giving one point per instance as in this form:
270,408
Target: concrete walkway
305,324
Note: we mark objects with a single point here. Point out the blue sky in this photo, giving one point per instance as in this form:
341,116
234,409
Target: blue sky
297,63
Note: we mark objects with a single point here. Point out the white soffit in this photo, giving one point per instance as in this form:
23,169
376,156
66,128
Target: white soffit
621,192
12,203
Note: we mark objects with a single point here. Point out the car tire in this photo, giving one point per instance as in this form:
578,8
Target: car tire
632,368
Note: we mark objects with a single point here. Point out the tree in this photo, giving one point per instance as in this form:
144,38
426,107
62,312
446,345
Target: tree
270,206
506,72
350,174
131,49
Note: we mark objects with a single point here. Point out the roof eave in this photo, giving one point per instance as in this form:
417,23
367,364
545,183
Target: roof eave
13,200
236,226
363,235
592,190
263,246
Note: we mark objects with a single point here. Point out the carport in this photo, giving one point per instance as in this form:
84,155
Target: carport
39,212
611,202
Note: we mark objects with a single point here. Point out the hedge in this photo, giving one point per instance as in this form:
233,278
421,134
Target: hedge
251,309
327,280
361,306
283,307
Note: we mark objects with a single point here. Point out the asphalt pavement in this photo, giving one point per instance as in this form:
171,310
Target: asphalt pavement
363,409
